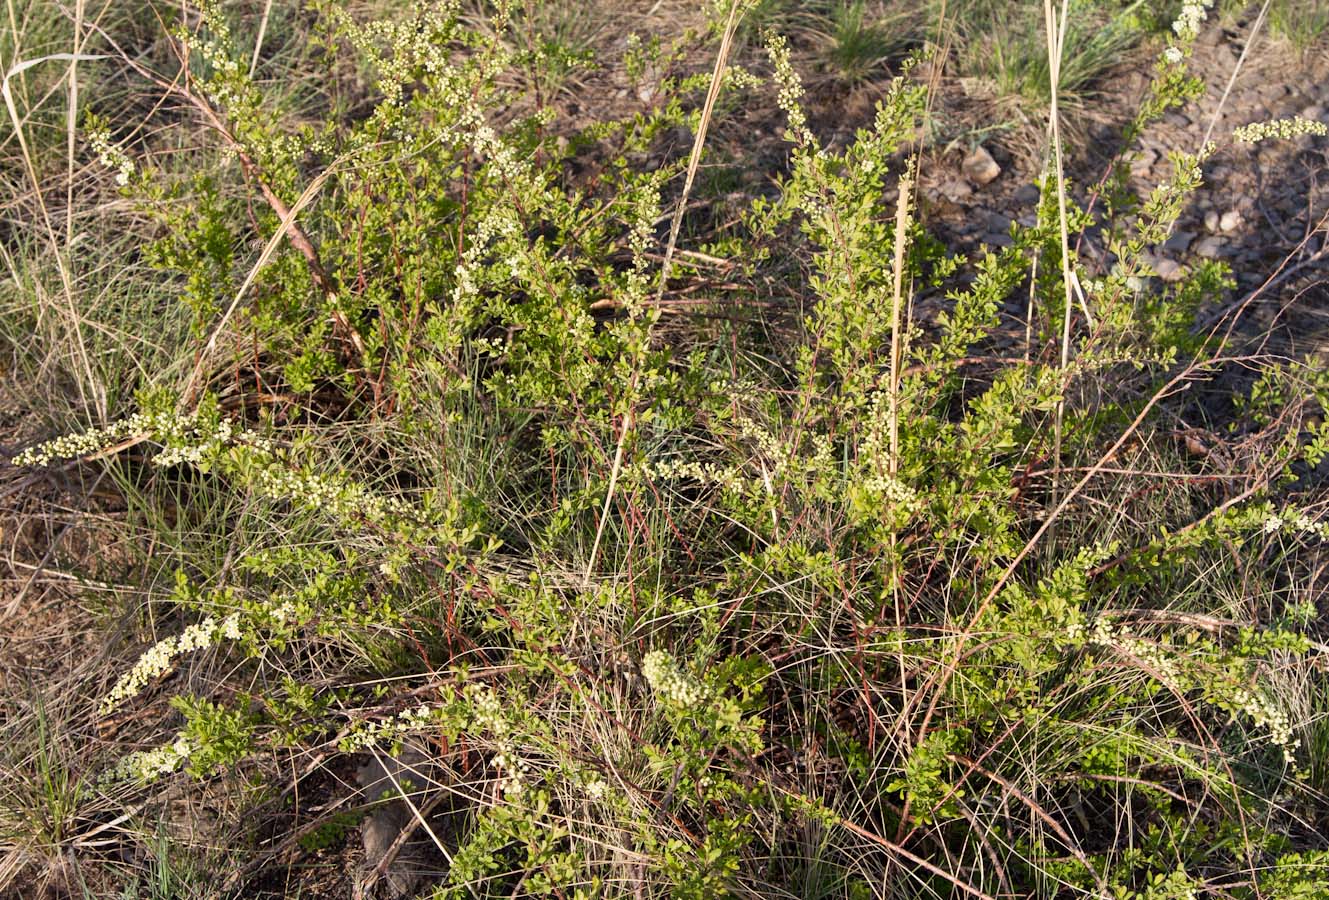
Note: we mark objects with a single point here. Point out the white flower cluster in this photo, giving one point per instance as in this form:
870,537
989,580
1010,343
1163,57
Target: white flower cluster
1266,714
670,682
501,154
158,659
147,766
1193,13
196,444
226,81
223,91
336,497
893,492
111,156
1161,664
384,731
484,715
644,216
487,715
706,473
72,446
399,47
873,450
780,461
1186,26
1296,521
499,222
187,438
1167,668
1279,129
790,89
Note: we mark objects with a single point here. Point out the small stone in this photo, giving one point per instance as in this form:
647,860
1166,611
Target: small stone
1210,247
1141,165
999,223
979,166
1223,56
1211,221
1179,242
955,189
1229,222
1177,120
383,778
996,239
1169,270
1314,112
1027,195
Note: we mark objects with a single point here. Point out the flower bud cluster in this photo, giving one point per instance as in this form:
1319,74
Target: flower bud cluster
707,473
483,714
72,446
670,682
390,730
1296,521
146,766
1279,129
111,156
790,90
187,438
158,659
487,716
1167,667
1266,714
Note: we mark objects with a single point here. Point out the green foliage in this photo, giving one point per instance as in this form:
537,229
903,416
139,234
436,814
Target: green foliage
222,735
678,605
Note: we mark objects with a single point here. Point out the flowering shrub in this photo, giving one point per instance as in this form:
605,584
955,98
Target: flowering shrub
679,606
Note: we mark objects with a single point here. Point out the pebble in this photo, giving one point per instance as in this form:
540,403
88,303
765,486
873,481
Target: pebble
1141,165
998,223
1027,195
979,166
1211,220
996,239
1169,270
1210,247
1179,242
1314,112
955,189
380,829
1229,222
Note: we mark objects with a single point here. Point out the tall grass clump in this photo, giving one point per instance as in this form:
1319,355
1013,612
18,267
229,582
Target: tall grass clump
690,571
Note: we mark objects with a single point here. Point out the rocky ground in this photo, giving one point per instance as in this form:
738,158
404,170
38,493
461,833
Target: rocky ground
1262,208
